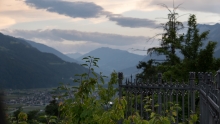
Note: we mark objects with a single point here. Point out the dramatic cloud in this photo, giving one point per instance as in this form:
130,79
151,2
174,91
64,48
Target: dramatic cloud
195,5
73,35
88,10
72,9
133,22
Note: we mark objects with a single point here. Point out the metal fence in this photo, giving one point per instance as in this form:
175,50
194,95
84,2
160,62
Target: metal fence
199,95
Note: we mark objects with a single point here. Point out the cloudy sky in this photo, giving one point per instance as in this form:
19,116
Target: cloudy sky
72,26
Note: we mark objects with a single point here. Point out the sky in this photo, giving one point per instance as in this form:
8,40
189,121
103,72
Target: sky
72,26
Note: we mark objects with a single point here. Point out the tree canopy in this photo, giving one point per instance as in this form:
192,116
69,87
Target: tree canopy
196,56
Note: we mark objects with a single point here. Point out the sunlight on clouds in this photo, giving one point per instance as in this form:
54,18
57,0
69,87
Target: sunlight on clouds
187,5
12,5
114,6
19,11
5,22
91,20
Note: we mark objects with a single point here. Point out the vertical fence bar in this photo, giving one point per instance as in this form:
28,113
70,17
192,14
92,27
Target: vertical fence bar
120,78
201,114
165,92
218,86
152,101
159,94
177,119
136,90
183,108
141,93
192,86
207,113
128,99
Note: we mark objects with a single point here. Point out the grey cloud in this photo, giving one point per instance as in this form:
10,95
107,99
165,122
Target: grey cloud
133,22
88,10
73,35
72,9
194,5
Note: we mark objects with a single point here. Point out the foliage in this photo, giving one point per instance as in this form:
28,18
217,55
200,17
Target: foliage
168,116
149,70
90,101
50,119
52,108
22,117
32,116
16,113
170,41
196,56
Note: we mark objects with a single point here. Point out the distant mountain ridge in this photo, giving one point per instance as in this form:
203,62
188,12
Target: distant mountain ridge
23,66
113,59
214,35
74,55
214,31
47,49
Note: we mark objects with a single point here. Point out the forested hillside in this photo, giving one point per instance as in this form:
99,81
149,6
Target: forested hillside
23,66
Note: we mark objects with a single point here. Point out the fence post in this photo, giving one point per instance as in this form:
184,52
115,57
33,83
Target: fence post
192,86
120,78
201,99
218,86
159,93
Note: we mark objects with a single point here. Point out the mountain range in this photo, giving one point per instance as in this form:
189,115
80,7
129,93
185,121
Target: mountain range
213,35
74,55
47,49
113,59
23,66
26,64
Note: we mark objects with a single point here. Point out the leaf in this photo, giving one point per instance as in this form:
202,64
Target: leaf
75,87
52,120
148,110
94,74
84,64
85,58
194,117
174,113
152,114
145,122
166,121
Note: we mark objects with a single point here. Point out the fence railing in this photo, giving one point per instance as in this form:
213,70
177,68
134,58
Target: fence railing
201,95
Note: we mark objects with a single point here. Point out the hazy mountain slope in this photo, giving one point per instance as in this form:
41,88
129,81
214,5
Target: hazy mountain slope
46,49
74,55
217,54
23,66
114,59
213,36
214,33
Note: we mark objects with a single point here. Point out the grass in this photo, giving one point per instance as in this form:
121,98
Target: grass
31,108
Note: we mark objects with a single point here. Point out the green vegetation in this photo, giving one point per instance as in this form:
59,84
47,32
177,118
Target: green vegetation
196,56
91,103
